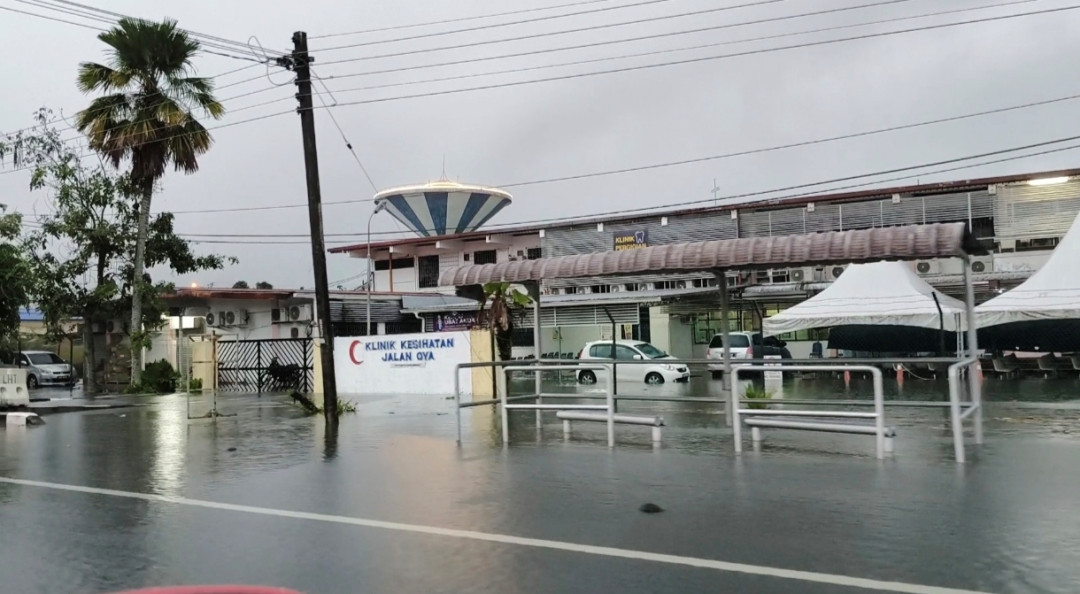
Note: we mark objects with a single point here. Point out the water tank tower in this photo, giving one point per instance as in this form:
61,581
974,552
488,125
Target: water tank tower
443,207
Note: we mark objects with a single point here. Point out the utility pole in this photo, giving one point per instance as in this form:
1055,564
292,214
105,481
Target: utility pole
300,63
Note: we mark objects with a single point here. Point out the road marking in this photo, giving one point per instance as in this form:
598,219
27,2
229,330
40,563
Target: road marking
774,572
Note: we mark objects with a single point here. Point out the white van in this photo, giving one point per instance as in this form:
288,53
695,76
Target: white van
631,350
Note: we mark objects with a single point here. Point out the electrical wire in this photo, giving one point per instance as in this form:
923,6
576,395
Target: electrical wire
652,210
653,36
557,16
457,20
707,58
601,26
348,144
800,144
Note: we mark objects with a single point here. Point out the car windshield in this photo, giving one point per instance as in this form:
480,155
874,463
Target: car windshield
44,359
738,341
650,351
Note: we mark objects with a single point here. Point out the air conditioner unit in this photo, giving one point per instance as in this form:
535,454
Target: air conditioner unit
982,264
300,313
115,327
224,318
215,319
928,267
801,275
836,271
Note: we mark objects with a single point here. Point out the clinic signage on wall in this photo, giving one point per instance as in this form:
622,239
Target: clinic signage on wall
453,321
402,363
631,240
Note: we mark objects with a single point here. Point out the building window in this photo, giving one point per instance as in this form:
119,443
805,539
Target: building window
534,253
601,288
429,271
570,291
484,257
399,263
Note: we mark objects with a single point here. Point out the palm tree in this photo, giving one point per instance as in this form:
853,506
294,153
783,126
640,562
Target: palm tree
146,116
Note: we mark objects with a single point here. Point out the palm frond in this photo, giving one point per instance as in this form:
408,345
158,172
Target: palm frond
98,77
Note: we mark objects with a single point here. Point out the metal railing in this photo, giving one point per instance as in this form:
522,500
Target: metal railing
878,415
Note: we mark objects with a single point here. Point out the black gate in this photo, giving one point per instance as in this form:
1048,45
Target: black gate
272,365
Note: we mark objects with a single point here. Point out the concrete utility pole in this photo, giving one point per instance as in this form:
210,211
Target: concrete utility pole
300,63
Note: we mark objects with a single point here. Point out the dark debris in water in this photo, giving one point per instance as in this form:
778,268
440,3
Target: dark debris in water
650,508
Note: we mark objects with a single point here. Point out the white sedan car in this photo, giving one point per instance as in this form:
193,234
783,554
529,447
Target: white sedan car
632,350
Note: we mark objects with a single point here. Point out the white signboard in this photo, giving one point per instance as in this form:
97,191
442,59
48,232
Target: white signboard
13,388
773,375
402,363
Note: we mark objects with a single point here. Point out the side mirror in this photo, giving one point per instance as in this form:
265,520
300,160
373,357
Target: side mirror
638,357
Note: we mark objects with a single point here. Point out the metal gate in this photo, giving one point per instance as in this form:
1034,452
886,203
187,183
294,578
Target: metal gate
272,365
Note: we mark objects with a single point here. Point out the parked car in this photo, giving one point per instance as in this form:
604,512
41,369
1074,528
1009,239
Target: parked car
744,345
45,369
632,350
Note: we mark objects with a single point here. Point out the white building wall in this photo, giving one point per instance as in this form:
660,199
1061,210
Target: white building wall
406,279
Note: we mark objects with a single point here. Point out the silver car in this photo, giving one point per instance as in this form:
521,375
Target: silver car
45,369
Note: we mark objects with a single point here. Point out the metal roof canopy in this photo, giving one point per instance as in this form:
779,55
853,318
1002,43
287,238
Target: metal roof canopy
909,242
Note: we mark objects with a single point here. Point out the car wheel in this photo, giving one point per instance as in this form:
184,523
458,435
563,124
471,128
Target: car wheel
587,377
31,382
654,378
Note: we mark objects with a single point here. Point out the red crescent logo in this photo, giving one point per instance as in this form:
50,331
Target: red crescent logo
352,352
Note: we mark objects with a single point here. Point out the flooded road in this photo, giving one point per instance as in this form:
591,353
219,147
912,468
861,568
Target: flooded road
403,509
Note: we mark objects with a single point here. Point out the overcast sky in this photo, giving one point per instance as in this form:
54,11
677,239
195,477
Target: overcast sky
575,126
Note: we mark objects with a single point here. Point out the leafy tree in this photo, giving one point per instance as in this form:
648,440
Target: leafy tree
264,285
147,116
14,277
502,302
91,234
240,285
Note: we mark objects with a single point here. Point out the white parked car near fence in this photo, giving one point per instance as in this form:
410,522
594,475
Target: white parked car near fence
632,350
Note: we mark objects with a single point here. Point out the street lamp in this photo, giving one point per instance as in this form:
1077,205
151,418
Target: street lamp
380,205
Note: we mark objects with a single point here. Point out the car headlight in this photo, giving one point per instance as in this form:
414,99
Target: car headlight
669,367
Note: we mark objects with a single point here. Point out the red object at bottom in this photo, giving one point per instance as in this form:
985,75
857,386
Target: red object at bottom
212,590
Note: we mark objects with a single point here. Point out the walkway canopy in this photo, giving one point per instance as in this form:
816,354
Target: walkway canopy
878,294
911,242
1043,313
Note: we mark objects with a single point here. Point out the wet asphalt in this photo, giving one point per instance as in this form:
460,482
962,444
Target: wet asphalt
1007,522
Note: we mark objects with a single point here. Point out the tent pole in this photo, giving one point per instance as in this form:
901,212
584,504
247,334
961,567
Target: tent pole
727,384
941,325
974,385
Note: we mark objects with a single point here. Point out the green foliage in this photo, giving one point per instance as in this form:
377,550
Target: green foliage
264,285
755,392
195,384
15,278
240,285
158,377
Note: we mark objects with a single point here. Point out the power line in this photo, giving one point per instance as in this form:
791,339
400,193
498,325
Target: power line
657,36
643,54
457,20
601,26
653,210
708,58
348,144
550,18
699,159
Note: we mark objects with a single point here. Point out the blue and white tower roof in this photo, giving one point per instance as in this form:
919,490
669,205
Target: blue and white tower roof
443,207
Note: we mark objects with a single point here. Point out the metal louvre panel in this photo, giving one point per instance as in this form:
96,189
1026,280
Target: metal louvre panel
524,318
909,211
754,224
699,227
790,221
585,282
356,311
575,240
1028,212
826,217
587,315
945,208
861,215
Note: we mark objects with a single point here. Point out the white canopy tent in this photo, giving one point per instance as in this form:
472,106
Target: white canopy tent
1052,293
878,294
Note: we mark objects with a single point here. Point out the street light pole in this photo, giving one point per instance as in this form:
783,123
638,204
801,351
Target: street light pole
379,206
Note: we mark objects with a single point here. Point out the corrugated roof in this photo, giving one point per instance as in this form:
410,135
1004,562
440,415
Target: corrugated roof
911,242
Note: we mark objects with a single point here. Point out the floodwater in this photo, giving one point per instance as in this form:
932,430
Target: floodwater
228,492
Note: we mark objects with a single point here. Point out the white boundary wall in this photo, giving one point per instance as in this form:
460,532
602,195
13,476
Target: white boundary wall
402,363
13,390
